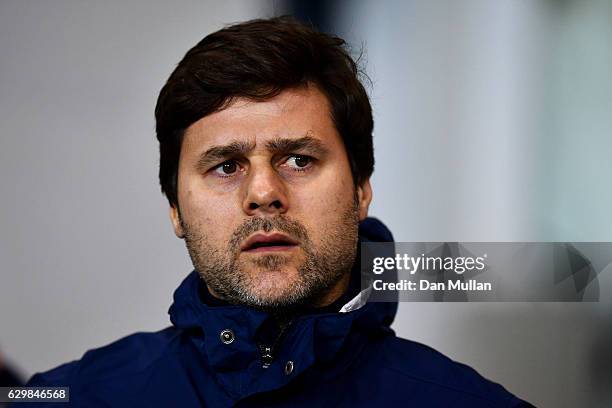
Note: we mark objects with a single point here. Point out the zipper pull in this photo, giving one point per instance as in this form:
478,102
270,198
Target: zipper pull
267,352
266,356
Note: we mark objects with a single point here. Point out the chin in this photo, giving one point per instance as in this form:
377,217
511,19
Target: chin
274,285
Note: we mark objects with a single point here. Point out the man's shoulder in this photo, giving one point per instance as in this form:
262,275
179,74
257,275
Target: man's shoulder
411,362
128,355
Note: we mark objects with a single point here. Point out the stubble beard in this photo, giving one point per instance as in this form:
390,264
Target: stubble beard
323,266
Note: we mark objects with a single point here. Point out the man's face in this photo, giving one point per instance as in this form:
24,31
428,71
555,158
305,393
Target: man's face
267,203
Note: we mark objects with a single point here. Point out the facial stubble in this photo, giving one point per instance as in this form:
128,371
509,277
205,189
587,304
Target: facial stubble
236,280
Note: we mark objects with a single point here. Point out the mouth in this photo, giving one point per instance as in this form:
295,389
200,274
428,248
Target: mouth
268,243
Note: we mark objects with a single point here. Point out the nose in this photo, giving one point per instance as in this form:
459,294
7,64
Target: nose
265,193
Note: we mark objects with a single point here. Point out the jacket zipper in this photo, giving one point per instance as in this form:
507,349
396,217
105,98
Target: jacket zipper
266,355
268,351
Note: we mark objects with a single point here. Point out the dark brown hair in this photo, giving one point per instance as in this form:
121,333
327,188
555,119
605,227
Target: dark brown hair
258,59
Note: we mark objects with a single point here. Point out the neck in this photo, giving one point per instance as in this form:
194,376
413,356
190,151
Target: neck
335,292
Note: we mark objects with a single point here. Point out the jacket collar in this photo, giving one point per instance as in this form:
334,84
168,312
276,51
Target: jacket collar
311,337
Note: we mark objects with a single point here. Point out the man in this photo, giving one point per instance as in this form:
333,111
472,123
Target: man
265,136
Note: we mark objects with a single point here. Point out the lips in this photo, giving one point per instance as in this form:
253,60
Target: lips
260,242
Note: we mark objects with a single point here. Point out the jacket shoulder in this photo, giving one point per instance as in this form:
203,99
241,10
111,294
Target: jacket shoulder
416,362
130,354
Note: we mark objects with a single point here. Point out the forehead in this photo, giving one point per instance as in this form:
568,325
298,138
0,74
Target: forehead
293,113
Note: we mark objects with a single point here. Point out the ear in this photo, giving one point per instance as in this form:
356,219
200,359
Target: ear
364,194
175,217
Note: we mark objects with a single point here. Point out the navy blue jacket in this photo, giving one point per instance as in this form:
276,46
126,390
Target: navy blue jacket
330,359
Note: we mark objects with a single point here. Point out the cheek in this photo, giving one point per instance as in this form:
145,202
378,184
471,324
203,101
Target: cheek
323,204
213,215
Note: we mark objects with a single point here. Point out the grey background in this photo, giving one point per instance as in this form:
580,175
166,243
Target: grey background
492,124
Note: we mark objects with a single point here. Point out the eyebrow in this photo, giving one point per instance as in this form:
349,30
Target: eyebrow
219,153
309,143
236,148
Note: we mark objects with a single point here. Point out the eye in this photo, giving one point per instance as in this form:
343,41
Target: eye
298,162
226,168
